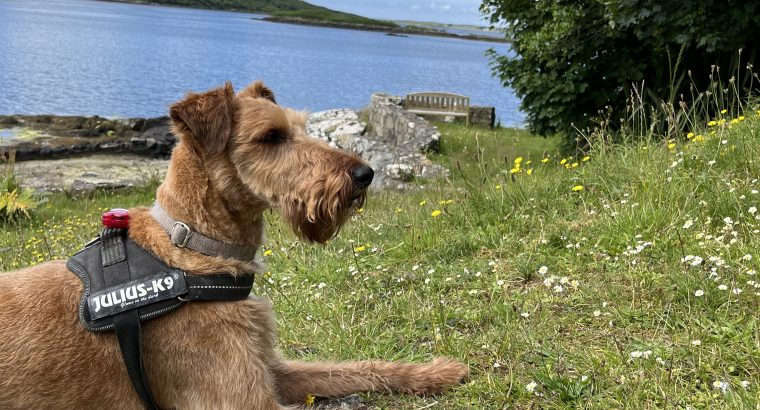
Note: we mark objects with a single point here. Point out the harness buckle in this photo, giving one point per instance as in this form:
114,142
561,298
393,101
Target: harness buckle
181,236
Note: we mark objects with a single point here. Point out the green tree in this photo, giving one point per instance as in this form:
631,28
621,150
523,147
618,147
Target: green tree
577,59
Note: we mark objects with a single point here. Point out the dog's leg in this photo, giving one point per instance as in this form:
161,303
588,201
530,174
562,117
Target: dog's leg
295,380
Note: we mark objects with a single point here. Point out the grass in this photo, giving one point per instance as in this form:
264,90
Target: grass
623,280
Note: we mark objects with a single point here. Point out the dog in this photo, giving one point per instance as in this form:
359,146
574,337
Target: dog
238,155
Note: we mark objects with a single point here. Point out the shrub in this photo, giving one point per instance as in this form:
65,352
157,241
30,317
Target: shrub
15,201
577,60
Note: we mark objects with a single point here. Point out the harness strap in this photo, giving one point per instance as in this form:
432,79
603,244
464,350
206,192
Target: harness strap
127,324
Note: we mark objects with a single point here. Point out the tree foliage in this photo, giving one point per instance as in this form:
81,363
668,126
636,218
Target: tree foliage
575,59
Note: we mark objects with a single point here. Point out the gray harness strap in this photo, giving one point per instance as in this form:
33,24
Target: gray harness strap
184,237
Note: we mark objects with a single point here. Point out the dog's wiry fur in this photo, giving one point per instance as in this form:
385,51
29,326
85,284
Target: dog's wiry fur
238,156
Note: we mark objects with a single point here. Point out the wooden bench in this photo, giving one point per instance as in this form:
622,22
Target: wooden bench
438,104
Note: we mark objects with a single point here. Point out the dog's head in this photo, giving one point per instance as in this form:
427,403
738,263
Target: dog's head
265,149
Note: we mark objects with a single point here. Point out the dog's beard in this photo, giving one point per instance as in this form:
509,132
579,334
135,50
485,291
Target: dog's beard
321,219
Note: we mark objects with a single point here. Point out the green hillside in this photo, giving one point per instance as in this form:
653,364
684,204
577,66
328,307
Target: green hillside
279,8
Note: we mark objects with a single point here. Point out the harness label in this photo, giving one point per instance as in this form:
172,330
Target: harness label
137,293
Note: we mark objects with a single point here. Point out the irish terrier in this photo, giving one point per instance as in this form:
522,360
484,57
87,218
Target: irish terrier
239,154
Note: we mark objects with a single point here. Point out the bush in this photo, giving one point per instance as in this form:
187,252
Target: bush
15,201
577,60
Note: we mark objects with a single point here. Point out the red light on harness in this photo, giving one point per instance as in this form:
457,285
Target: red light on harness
116,218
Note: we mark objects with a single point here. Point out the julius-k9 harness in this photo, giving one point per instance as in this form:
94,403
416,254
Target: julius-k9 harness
125,285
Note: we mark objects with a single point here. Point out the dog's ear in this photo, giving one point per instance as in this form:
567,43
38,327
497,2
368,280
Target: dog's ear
257,89
206,119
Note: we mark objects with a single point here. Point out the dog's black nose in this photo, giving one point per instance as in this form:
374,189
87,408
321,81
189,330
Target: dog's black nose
362,175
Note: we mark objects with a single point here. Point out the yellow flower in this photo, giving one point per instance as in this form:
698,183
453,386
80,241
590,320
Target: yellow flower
398,210
741,118
528,162
563,162
578,188
723,111
575,165
734,121
586,159
699,138
435,213
423,202
545,160
529,172
309,400
360,211
690,135
498,187
267,252
514,170
518,160
360,248
672,145
445,202
712,123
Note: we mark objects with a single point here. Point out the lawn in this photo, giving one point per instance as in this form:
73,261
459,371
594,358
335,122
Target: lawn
623,279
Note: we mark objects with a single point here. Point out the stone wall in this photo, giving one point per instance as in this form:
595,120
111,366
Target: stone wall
393,125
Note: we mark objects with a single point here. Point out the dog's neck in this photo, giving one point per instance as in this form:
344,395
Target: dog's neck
207,195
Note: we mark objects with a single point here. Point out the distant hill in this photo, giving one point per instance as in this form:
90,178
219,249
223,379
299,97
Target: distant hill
278,8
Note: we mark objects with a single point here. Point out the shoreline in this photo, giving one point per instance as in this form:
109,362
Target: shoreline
399,32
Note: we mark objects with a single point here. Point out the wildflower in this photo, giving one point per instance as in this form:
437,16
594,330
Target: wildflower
752,210
722,287
690,135
720,385
728,221
559,289
672,145
530,387
745,384
518,160
696,343
578,188
321,285
545,160
398,210
563,162
498,187
723,111
435,213
699,138
514,170
445,202
736,291
688,224
585,159
699,293
712,123
747,257
309,400
640,355
267,252
423,202
542,270
529,172
500,282
597,313
525,314
360,248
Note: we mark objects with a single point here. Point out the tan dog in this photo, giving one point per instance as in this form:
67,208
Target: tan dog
238,156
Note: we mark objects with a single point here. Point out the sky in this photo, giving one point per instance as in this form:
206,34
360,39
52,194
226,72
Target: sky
440,11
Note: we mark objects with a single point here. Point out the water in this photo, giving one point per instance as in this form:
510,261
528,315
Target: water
87,57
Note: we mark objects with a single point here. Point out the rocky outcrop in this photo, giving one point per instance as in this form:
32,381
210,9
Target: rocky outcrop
397,160
69,153
82,174
48,136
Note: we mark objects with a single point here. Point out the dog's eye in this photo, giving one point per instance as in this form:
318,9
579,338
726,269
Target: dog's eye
272,137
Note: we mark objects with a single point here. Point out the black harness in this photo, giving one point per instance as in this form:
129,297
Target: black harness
125,284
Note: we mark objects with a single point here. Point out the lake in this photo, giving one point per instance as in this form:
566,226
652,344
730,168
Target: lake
123,60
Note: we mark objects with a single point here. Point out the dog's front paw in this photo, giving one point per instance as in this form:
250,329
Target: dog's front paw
438,375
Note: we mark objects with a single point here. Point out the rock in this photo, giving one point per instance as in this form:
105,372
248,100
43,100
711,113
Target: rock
99,171
395,152
352,402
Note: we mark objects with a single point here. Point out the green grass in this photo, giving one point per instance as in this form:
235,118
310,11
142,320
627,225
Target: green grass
614,320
